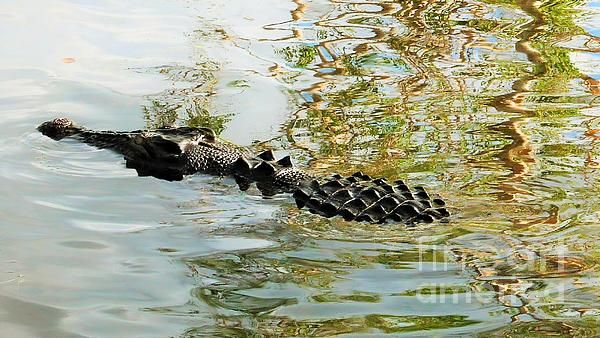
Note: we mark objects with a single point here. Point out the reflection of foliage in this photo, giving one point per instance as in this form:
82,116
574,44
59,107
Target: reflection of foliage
374,21
557,69
352,65
562,15
364,297
164,114
584,327
436,17
187,103
360,91
299,55
358,65
322,34
483,25
160,114
239,302
238,83
216,123
437,290
424,104
279,326
559,22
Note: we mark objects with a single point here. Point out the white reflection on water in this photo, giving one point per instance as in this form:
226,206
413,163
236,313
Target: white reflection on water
87,60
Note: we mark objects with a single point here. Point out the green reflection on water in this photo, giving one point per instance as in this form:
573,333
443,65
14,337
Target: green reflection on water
484,102
286,327
298,56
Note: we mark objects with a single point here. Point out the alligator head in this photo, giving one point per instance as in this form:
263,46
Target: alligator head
58,128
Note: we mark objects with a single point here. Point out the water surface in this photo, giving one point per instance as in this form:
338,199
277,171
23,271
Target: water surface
492,104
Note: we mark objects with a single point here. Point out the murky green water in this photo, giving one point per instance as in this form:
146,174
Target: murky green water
492,104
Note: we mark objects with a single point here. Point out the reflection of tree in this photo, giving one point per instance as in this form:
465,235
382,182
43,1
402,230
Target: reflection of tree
390,101
188,101
452,86
474,94
283,326
552,73
235,275
351,115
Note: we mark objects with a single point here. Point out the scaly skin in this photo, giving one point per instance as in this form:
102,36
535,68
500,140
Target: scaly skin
172,153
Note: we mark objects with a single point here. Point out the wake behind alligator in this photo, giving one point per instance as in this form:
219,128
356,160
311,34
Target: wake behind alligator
172,153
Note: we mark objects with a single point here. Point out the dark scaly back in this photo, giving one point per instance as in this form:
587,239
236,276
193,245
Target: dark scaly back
210,158
172,153
361,198
272,176
155,153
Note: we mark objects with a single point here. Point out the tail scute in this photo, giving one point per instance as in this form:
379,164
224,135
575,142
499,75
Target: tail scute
361,198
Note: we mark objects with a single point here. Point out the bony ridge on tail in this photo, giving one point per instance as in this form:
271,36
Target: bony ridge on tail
172,153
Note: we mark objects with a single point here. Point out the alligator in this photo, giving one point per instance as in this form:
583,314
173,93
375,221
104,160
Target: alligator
170,153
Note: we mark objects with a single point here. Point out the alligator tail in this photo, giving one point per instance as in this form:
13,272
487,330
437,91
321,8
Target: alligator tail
362,198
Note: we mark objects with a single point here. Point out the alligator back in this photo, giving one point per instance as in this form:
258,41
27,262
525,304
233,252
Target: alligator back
165,153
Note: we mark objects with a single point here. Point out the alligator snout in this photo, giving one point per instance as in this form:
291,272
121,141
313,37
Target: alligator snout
58,128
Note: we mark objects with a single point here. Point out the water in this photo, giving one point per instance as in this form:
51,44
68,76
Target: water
492,104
